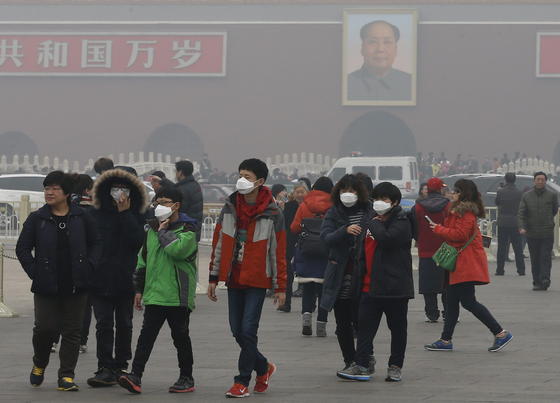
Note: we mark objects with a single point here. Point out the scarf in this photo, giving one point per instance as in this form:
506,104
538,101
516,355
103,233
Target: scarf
246,212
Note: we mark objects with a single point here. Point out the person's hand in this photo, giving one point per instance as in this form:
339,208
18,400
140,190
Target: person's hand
164,225
522,231
279,298
212,292
433,225
154,180
138,301
354,229
123,204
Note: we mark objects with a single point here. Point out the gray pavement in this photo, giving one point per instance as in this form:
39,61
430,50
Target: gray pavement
526,371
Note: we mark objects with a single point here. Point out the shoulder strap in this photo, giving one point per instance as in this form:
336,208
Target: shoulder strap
470,240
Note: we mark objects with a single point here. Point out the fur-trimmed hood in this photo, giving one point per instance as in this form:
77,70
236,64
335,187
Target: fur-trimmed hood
101,192
462,207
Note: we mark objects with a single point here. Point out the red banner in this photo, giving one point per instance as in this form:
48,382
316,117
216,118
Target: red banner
113,54
548,54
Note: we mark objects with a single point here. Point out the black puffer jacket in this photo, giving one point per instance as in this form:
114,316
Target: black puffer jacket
507,201
192,204
122,234
39,235
391,275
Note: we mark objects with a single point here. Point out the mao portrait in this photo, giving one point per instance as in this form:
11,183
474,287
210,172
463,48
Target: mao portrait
379,61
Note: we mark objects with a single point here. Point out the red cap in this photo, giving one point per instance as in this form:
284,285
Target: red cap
435,184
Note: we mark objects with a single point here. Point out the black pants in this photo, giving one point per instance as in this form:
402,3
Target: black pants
464,294
371,311
541,259
58,315
505,236
178,321
311,296
431,305
86,323
343,314
114,330
289,284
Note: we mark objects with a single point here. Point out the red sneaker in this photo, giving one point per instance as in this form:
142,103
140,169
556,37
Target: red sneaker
238,390
262,381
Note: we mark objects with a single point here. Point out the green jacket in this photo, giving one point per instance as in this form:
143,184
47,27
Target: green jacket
536,213
166,270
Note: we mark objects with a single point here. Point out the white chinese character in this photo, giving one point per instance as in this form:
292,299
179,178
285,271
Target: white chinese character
137,48
193,52
53,53
11,52
96,53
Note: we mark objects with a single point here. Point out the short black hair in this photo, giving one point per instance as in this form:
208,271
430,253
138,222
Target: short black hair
510,177
170,192
277,188
59,178
103,164
185,167
255,166
540,173
130,170
82,182
387,190
364,30
159,174
367,181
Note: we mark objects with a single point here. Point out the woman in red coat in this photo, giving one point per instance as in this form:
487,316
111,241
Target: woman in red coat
459,229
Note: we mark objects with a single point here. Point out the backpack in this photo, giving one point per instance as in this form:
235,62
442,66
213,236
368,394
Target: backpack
310,243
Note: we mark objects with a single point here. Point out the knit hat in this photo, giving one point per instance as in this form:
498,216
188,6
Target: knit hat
435,185
323,184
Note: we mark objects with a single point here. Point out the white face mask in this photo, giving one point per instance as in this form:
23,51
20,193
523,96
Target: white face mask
348,199
382,207
244,186
117,192
162,213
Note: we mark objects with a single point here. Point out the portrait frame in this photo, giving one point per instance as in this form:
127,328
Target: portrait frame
405,64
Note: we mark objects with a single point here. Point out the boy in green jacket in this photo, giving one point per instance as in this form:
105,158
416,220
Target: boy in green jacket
165,279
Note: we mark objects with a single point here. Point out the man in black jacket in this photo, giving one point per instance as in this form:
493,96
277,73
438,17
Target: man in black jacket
120,200
507,201
192,193
59,250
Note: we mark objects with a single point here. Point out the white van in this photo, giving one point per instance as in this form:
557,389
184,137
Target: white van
401,171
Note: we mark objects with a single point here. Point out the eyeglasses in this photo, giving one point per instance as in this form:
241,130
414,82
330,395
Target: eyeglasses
52,189
164,202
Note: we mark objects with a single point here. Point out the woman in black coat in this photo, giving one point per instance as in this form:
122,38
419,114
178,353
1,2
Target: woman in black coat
342,224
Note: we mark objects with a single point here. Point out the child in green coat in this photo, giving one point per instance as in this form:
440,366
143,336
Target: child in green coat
165,279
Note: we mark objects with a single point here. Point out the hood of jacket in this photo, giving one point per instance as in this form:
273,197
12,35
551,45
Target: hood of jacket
434,203
318,202
184,220
101,192
463,207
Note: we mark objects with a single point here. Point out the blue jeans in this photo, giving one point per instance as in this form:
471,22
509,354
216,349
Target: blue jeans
245,307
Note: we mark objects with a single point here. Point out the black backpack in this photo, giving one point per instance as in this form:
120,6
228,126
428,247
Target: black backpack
310,243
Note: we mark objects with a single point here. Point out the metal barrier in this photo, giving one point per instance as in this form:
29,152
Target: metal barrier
5,311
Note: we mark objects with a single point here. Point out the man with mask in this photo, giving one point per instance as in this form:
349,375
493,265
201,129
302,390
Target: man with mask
536,220
249,254
192,204
120,200
377,80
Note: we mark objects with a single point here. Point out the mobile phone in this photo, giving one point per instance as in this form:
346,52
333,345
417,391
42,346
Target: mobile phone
429,220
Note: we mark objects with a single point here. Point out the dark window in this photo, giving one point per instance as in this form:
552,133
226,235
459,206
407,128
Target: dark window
390,173
337,173
34,184
368,170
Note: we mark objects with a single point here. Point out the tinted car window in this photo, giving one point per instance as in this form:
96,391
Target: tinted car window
388,173
33,183
337,173
368,170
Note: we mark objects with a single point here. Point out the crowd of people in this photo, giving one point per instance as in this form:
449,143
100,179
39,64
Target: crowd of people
103,245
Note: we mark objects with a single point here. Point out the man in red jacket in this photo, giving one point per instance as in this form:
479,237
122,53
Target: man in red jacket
430,277
249,254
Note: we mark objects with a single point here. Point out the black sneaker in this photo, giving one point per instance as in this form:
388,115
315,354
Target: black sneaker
103,377
184,384
284,308
131,382
355,373
37,376
66,384
371,367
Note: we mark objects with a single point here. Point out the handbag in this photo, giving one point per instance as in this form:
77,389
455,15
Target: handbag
310,243
446,256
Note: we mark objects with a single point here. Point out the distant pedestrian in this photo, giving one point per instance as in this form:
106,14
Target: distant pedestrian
120,200
103,164
383,282
59,249
431,277
507,201
165,281
280,194
343,223
536,220
248,253
460,230
423,192
192,204
310,259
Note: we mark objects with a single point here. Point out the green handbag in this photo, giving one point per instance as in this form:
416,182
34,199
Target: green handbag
446,256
